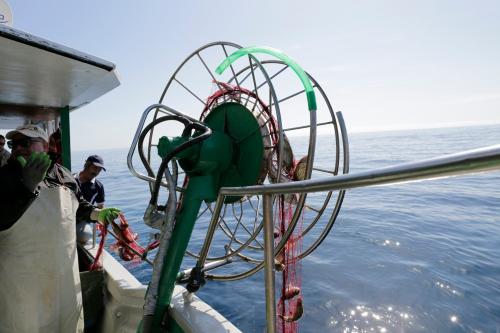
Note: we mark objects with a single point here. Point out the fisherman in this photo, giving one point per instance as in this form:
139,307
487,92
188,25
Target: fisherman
92,190
39,201
4,154
55,147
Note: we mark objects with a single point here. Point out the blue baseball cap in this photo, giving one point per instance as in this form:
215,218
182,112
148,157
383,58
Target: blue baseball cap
96,160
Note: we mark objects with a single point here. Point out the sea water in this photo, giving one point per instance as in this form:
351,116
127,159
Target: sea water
416,257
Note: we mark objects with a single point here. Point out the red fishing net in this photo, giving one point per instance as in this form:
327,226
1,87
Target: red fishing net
126,245
97,264
289,306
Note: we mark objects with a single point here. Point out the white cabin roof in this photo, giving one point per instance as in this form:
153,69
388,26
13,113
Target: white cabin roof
38,77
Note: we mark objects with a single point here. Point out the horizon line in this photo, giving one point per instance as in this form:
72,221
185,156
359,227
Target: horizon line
364,130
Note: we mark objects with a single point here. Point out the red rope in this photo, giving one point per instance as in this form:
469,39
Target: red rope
97,262
126,239
289,307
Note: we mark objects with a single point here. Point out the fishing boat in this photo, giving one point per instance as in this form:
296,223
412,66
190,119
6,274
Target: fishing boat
42,82
220,162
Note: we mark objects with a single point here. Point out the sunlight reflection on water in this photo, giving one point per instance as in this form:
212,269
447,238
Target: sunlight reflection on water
420,257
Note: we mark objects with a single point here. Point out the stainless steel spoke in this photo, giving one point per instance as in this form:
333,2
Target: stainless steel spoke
208,70
221,220
260,109
203,212
243,225
307,126
257,212
292,95
228,231
192,93
231,66
266,122
244,257
248,99
312,208
260,113
254,106
238,219
253,76
302,127
245,244
323,170
270,107
245,78
272,77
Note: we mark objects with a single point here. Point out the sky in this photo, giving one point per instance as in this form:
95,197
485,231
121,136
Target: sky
385,64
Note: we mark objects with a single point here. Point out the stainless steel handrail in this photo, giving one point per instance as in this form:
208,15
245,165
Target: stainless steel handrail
478,160
269,264
472,161
466,162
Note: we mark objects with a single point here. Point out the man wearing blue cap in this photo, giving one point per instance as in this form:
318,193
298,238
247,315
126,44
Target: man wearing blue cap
92,190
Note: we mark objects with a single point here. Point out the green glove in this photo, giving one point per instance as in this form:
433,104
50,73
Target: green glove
34,169
106,215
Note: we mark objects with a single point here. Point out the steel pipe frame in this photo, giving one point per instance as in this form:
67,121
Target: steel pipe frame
466,162
142,121
472,161
269,264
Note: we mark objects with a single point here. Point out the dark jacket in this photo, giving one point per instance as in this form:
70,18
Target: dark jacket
15,198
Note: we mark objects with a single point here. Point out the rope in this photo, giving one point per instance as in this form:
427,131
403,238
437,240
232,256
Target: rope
97,264
289,306
126,245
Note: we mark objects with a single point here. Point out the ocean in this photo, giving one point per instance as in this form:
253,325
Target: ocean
415,257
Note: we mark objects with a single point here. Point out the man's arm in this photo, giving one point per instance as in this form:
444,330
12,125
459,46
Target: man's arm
63,176
85,211
99,200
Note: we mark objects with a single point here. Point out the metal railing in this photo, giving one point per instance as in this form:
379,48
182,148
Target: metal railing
467,162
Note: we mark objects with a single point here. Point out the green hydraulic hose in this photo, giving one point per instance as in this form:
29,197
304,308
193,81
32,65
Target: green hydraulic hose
311,96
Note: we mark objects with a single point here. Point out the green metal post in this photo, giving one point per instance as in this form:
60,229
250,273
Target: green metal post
65,137
175,253
212,164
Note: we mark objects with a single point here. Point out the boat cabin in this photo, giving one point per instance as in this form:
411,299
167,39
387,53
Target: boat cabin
42,82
